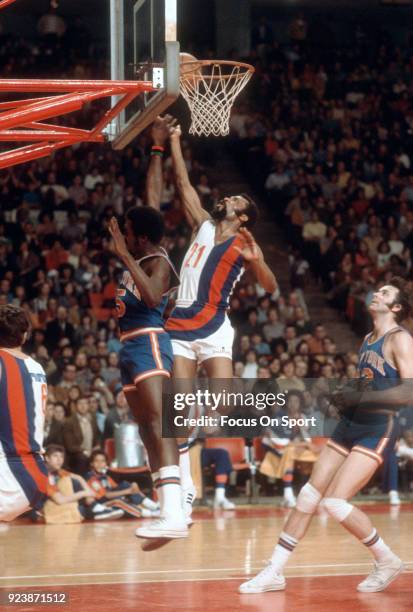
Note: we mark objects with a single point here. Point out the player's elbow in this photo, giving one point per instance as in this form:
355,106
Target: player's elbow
152,300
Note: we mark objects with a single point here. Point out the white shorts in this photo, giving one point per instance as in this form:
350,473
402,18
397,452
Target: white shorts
218,344
13,501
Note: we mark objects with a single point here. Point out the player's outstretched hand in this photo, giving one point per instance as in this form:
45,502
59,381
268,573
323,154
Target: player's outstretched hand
250,251
161,129
175,131
118,243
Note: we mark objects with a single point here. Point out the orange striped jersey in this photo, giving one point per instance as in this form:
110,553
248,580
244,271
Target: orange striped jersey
208,276
23,392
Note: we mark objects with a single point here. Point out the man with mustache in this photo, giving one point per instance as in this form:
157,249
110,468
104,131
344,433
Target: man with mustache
222,248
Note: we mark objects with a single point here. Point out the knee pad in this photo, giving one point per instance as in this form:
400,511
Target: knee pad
308,499
337,508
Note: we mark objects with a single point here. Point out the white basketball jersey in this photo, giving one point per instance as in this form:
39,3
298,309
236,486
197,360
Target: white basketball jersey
209,271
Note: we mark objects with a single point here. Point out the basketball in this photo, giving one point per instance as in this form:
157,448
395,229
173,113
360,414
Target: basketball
190,66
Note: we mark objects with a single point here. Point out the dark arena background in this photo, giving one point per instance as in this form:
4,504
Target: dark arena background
322,139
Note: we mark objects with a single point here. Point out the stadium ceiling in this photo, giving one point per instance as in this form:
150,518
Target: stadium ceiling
66,7
329,4
90,7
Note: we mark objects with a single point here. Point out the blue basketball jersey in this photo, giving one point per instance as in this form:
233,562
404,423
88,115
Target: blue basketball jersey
372,364
132,312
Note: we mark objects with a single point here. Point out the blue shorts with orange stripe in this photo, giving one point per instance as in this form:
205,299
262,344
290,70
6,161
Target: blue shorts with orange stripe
366,433
145,353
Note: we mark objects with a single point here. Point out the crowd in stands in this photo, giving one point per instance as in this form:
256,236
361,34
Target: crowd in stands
334,141
325,134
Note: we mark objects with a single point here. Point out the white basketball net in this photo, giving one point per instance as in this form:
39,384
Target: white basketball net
210,93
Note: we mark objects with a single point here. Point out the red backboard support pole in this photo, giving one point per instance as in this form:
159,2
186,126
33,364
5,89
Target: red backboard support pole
22,120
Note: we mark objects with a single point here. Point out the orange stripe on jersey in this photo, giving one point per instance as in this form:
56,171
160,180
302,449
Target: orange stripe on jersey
223,269
155,351
385,439
216,285
18,418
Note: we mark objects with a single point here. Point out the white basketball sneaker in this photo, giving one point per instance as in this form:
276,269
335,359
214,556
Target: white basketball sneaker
394,498
224,504
164,527
382,575
266,580
289,502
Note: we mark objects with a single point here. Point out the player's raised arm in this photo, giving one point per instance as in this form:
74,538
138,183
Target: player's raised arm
254,260
195,214
151,287
154,179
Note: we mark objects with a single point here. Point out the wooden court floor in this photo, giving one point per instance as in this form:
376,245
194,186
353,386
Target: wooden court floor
101,567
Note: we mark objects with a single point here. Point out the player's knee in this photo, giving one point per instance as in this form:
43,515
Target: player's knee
308,499
337,508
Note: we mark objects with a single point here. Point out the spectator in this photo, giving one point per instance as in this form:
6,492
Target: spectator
288,381
117,415
274,328
284,446
70,499
315,343
53,425
59,328
61,391
220,461
124,496
251,366
80,437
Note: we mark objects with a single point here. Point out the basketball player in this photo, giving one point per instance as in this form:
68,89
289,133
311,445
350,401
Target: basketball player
146,356
23,395
221,249
355,450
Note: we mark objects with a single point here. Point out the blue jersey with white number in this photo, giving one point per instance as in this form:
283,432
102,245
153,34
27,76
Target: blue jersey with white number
132,312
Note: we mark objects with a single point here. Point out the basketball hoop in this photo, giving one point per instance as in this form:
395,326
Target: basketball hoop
210,89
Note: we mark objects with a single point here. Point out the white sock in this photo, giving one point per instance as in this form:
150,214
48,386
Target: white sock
282,551
380,551
220,493
185,467
171,495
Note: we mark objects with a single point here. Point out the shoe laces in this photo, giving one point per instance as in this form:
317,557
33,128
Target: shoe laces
375,574
266,572
160,522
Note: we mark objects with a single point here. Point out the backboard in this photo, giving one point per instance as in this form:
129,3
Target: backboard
144,47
